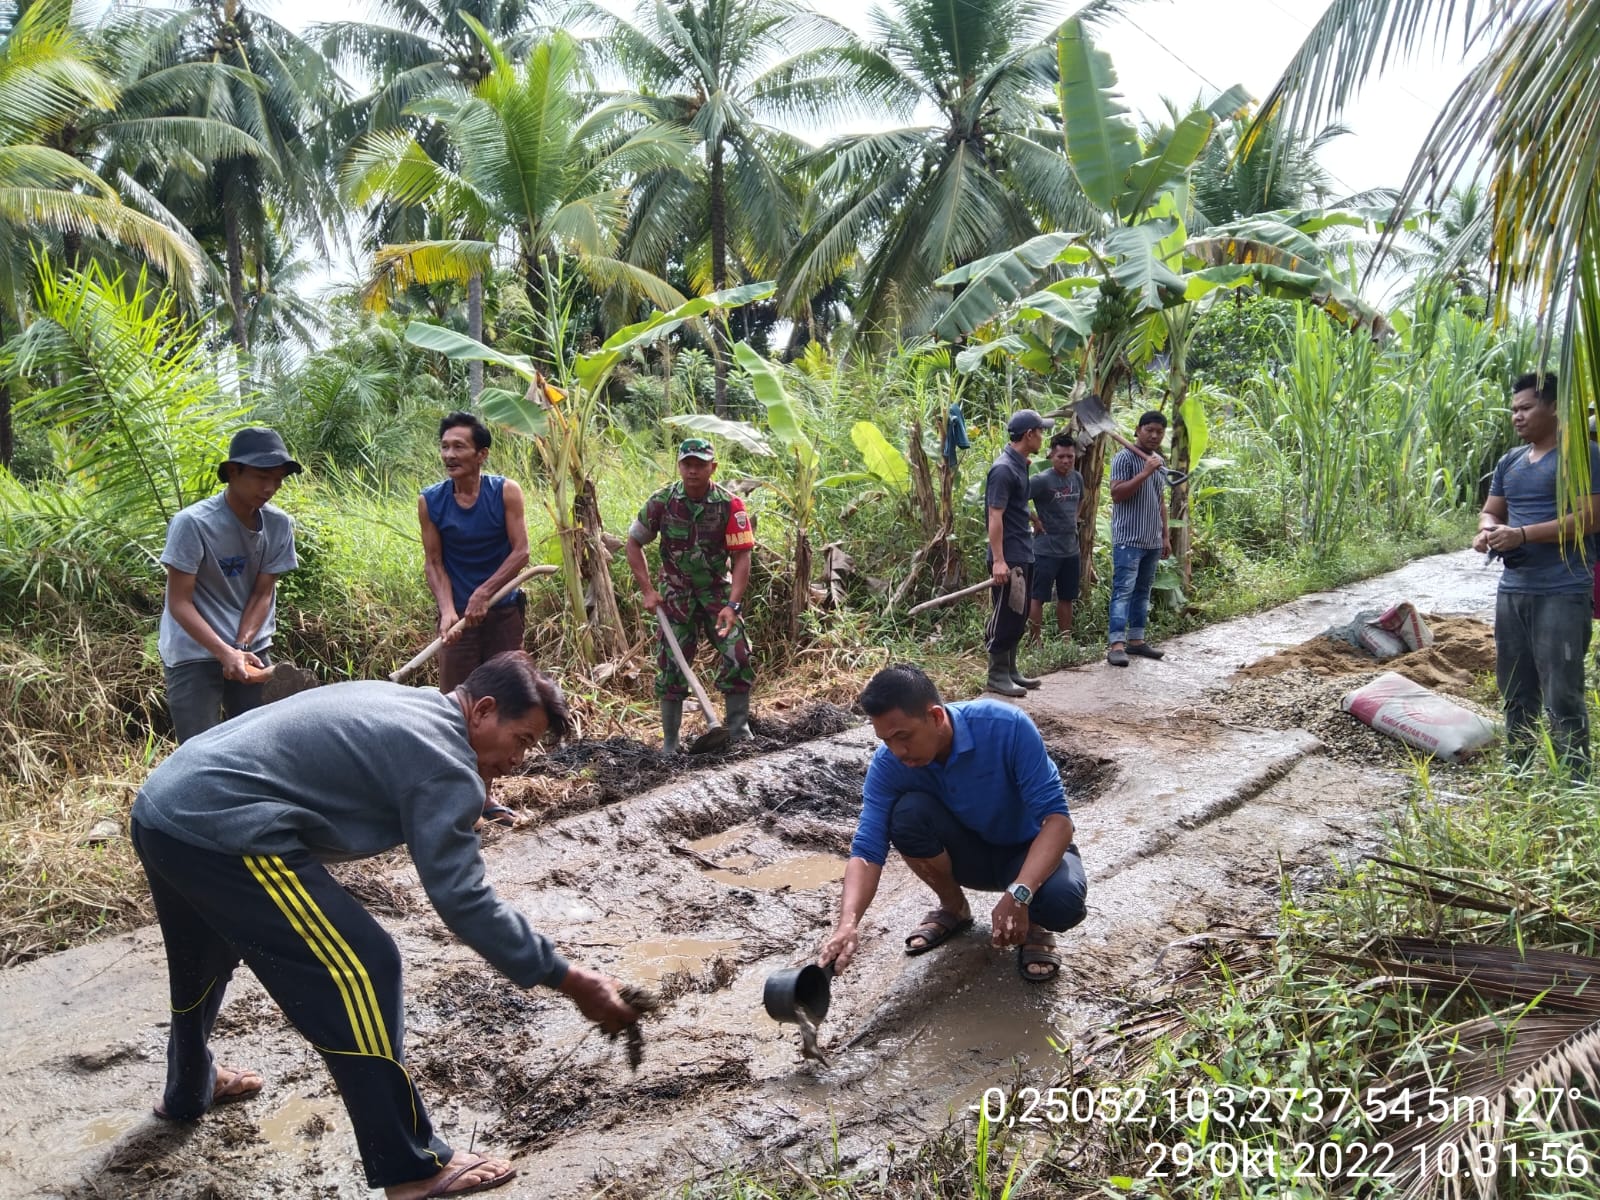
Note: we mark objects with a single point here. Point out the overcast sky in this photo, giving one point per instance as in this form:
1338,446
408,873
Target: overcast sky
1182,49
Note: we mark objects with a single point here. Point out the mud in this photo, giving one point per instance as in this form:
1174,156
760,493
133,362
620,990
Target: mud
588,773
1185,810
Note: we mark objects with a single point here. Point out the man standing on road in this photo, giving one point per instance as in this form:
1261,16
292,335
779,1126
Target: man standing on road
1542,615
704,529
233,831
969,797
1139,539
1010,554
474,541
223,557
1056,495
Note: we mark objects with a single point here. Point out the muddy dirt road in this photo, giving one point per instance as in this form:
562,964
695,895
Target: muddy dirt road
1185,810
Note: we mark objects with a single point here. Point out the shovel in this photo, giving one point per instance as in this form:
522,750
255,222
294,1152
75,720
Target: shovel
1095,418
438,642
716,735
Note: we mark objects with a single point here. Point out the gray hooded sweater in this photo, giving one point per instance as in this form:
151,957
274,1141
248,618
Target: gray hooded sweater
348,771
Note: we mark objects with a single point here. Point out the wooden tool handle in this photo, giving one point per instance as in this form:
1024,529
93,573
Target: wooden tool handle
950,598
688,671
433,646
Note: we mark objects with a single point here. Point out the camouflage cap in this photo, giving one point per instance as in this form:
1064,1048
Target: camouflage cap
696,448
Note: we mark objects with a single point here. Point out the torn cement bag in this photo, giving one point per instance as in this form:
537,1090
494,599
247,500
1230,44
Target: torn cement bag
1386,634
1406,623
1394,705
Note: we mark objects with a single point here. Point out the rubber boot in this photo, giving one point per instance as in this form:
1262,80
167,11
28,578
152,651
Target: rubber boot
738,710
1000,677
671,719
1017,677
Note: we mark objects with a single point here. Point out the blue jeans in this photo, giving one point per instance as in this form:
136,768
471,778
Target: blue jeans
1133,570
1541,644
922,827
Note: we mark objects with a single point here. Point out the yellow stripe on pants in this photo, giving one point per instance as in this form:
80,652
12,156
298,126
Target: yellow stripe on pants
264,872
362,982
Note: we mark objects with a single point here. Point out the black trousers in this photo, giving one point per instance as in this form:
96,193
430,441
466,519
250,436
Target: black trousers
1006,625
320,955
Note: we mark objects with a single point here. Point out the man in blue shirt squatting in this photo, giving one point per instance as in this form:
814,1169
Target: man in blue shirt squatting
233,831
1543,610
967,794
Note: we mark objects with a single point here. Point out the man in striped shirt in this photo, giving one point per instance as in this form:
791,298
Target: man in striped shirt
1139,539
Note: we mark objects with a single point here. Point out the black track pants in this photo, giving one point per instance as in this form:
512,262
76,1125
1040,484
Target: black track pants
321,956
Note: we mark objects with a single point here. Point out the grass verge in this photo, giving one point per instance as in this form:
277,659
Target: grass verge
1424,1023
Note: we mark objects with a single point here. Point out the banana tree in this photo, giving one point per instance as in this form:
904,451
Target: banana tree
561,421
798,461
1094,298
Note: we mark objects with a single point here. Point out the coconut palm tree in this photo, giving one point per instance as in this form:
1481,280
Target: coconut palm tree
48,80
1521,120
1228,183
268,82
533,172
731,71
915,201
413,48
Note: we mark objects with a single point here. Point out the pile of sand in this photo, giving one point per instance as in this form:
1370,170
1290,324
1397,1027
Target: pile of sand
1462,650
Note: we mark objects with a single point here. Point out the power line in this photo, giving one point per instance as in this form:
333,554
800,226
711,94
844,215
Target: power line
1195,71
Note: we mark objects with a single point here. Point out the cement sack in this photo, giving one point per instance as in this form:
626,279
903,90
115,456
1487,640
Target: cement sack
1378,641
1406,623
1394,705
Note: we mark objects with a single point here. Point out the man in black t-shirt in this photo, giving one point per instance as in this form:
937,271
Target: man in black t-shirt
1011,550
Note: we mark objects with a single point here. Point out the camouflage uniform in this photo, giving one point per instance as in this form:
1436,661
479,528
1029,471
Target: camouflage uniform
697,537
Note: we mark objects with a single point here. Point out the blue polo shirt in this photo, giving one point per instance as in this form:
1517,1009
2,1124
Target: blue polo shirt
999,781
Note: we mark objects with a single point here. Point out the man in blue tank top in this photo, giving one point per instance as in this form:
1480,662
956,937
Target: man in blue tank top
474,541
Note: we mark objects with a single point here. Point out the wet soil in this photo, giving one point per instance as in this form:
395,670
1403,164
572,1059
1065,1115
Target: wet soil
696,879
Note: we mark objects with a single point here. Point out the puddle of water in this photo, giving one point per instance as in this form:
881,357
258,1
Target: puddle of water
103,1131
651,961
800,874
711,843
282,1129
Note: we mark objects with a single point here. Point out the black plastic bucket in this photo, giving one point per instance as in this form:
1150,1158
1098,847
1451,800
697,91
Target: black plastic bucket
787,990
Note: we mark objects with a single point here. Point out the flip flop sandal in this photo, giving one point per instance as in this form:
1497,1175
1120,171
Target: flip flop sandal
500,815
442,1188
937,928
1033,954
219,1094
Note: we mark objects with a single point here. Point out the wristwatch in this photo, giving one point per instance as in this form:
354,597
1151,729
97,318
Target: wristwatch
737,607
1021,893
241,646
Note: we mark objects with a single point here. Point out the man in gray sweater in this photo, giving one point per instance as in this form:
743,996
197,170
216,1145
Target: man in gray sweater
233,830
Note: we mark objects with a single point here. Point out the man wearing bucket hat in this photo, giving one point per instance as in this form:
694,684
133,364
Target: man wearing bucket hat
223,557
706,539
1011,550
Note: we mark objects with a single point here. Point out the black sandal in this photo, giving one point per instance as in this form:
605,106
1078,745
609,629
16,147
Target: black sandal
937,928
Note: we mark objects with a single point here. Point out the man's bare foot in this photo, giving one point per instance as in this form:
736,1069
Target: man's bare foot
463,1174
233,1083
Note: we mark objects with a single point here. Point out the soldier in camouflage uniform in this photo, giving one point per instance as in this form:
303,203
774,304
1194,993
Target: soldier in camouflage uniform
702,527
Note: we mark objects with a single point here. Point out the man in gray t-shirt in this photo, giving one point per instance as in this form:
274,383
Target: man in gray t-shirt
1139,539
1056,495
223,557
1542,616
